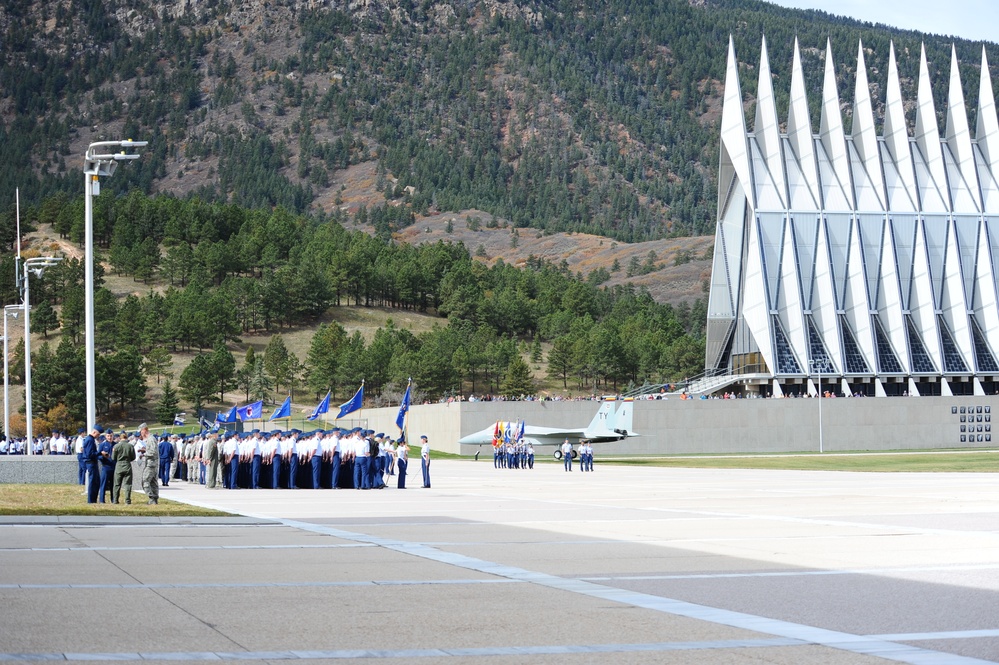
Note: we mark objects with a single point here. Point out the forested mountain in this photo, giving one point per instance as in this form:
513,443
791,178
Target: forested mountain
555,114
292,143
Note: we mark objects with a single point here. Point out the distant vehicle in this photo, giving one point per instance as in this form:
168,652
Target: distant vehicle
607,425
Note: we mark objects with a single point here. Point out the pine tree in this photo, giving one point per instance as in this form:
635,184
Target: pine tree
167,407
518,379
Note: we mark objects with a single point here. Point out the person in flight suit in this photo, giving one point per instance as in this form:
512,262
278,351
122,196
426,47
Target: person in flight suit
165,449
123,455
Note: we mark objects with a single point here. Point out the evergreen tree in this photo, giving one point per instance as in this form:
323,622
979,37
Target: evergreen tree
244,375
198,381
158,363
517,381
44,318
223,367
276,358
260,383
167,405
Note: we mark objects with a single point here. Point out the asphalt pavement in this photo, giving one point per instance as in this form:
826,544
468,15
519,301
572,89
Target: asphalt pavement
622,565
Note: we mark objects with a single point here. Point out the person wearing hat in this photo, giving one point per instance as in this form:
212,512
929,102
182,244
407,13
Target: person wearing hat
165,451
150,466
210,455
90,460
425,460
402,461
104,446
123,454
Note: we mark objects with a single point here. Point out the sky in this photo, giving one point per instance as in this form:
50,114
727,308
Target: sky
977,20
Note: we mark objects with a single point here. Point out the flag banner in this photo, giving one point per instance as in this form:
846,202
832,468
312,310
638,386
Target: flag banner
520,431
250,411
497,433
283,411
323,407
227,417
400,420
353,404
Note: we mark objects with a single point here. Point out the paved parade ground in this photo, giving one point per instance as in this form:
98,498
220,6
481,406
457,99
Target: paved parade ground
623,565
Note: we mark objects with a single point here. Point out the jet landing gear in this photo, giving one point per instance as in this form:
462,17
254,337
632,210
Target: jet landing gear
558,455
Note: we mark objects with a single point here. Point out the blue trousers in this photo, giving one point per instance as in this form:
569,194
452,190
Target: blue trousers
107,477
425,464
82,471
317,468
361,480
255,472
293,472
164,472
335,471
93,481
234,473
402,464
276,472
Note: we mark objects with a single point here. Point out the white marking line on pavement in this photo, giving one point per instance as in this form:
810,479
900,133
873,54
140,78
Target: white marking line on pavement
351,654
172,548
940,635
254,585
794,573
859,644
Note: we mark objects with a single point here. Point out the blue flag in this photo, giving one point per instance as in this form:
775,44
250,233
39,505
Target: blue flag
227,417
283,411
353,404
250,411
323,407
400,420
520,431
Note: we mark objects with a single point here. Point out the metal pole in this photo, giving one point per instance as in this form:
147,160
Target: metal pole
88,293
6,382
820,407
27,362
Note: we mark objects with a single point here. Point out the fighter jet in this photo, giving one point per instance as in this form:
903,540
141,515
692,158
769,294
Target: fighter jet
607,425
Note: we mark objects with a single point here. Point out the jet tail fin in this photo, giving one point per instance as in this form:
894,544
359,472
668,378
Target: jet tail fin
604,418
624,417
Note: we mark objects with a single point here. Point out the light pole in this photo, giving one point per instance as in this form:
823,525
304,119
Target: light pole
817,365
97,162
36,265
9,310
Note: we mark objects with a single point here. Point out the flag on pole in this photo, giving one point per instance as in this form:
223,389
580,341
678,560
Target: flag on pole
283,411
227,417
400,420
520,431
497,434
251,411
353,404
323,407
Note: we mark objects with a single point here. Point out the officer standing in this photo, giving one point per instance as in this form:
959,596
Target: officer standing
165,449
402,453
123,454
567,455
425,460
104,447
210,453
90,461
81,462
150,466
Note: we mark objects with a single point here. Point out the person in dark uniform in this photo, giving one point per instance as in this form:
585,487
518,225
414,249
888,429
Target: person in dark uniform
402,455
104,447
90,462
165,449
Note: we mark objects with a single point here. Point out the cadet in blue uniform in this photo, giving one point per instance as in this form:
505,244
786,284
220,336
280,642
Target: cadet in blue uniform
106,466
165,450
90,462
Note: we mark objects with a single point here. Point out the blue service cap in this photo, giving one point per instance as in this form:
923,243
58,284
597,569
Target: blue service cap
276,431
98,429
80,431
380,435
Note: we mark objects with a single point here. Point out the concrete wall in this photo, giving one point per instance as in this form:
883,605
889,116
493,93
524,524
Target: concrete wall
672,427
763,425
38,469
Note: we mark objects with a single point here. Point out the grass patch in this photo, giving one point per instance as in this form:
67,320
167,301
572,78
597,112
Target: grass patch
70,500
926,462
